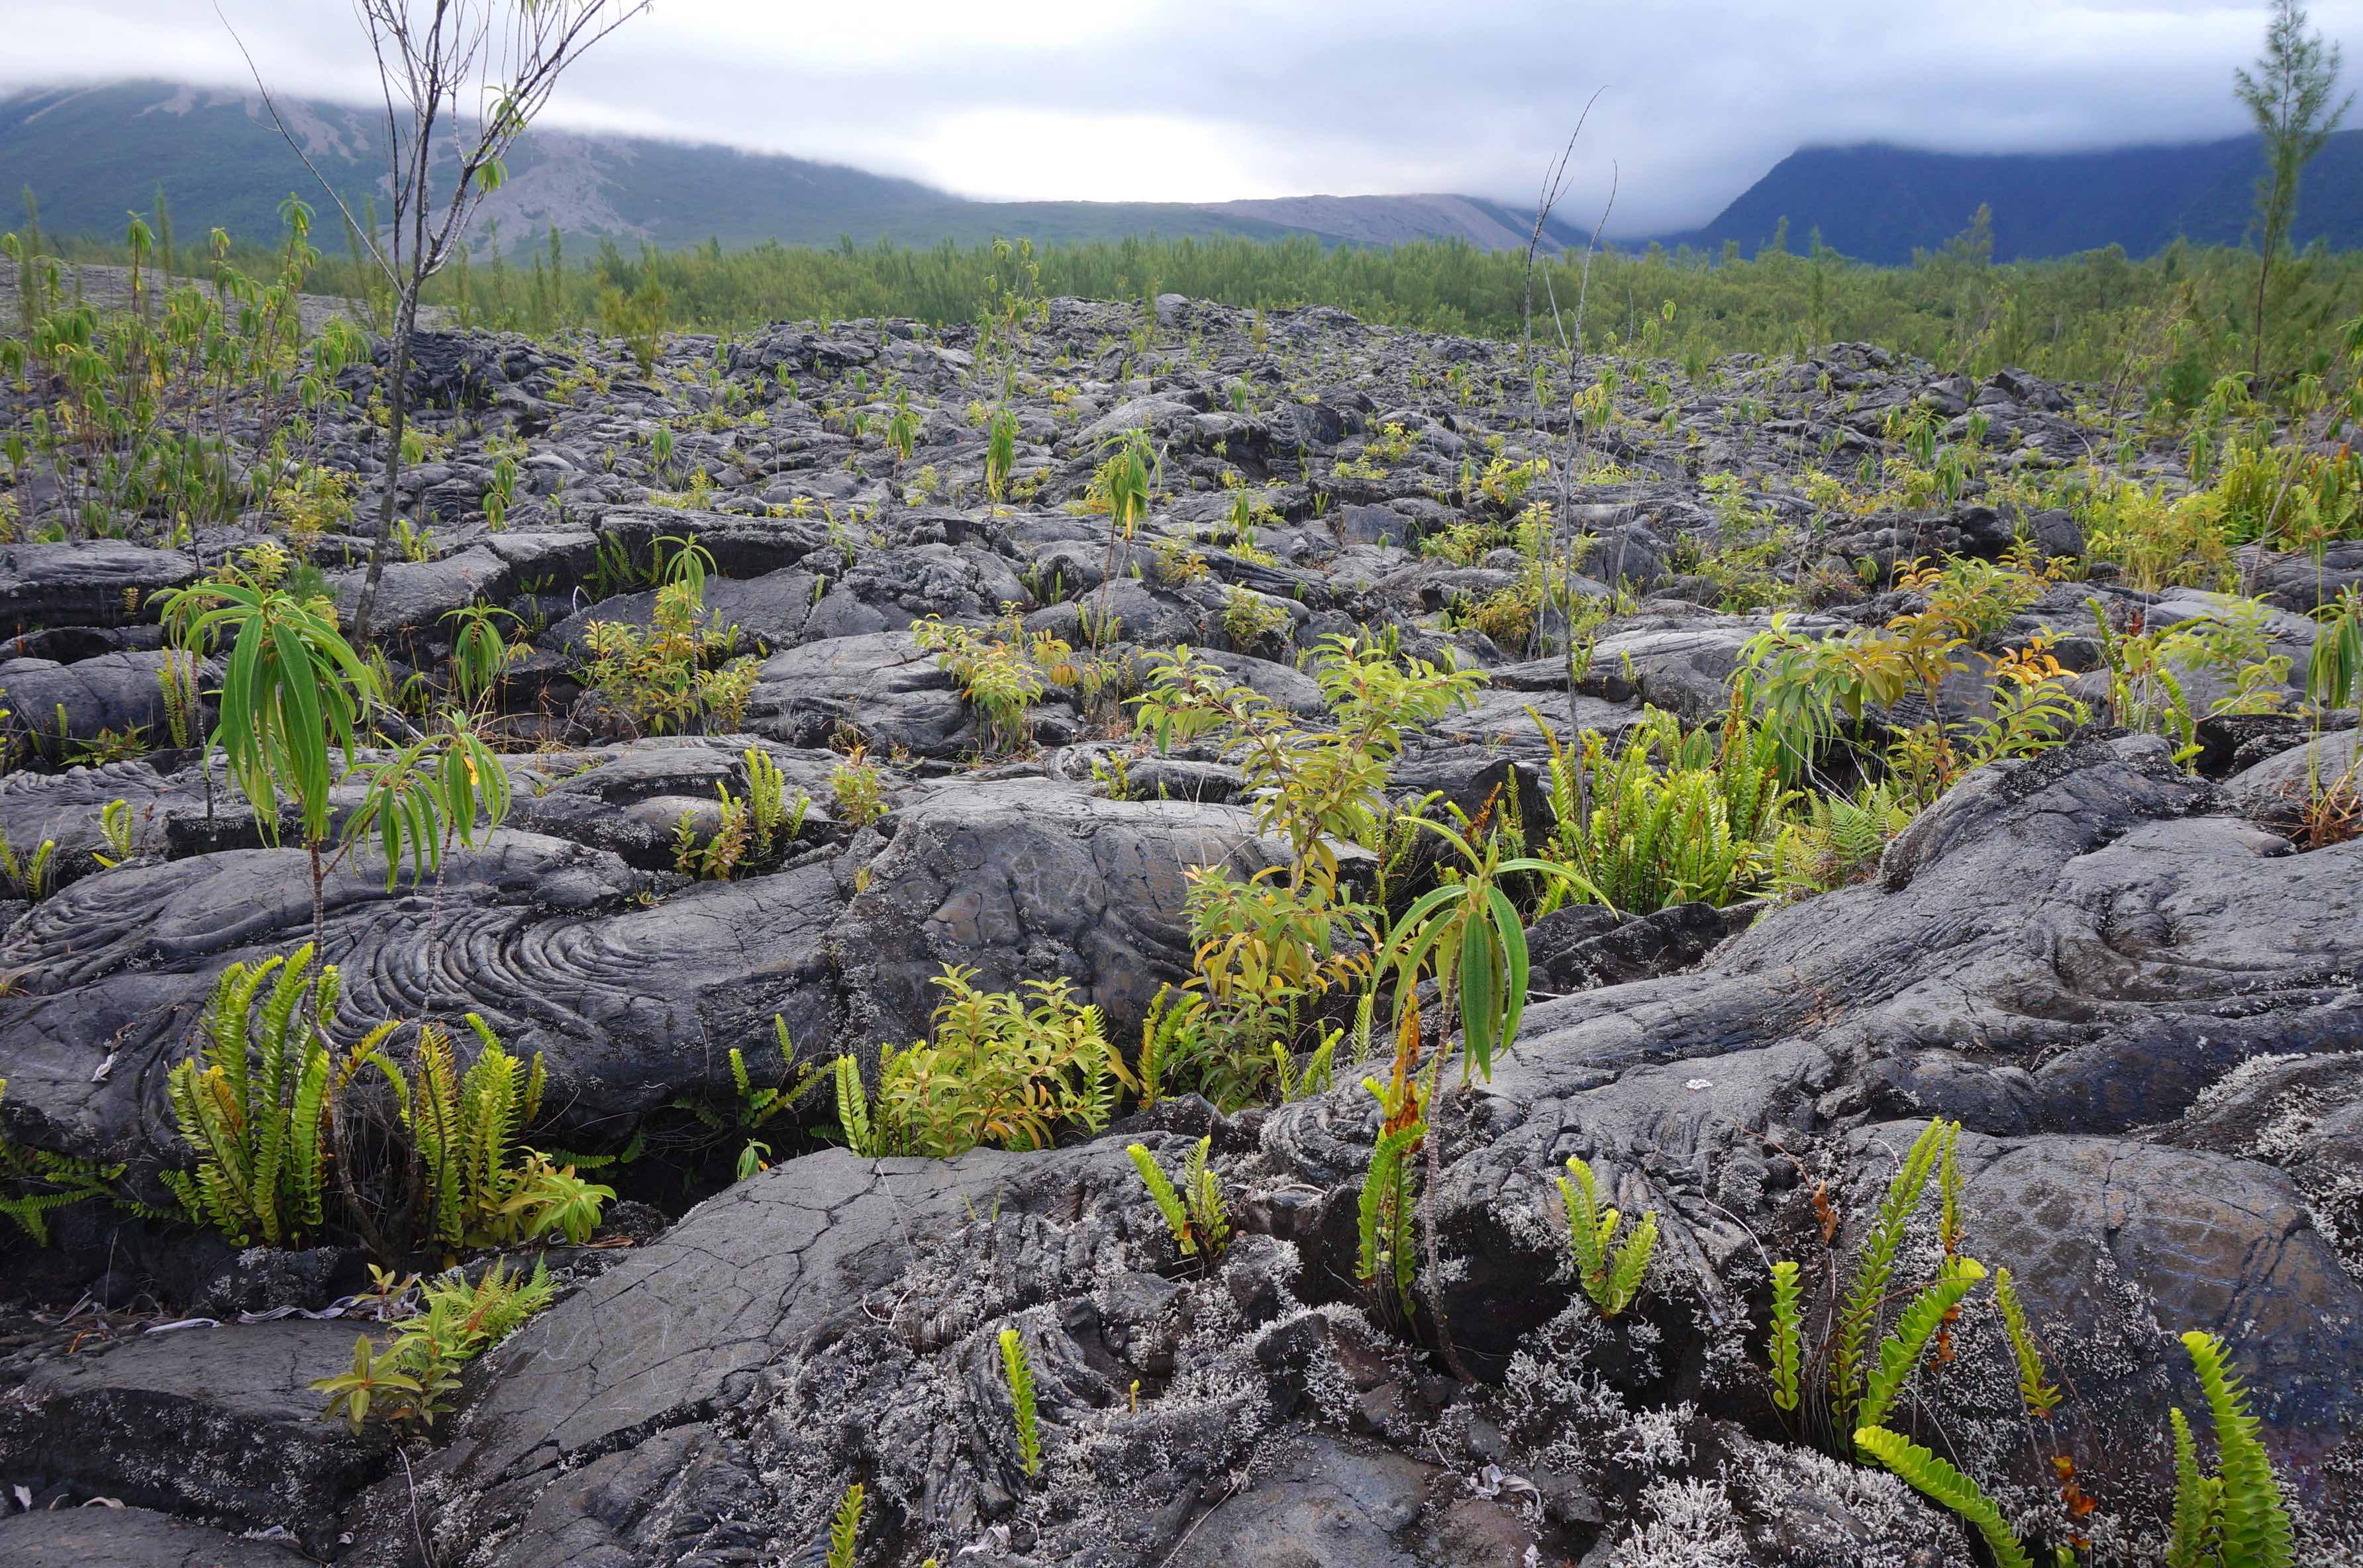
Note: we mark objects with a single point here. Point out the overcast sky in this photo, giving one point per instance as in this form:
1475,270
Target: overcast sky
1200,100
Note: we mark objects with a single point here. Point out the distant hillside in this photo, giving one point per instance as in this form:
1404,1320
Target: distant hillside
92,154
1879,203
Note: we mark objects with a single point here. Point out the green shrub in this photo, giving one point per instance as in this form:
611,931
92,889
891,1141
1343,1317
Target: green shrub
1250,618
1005,673
858,789
411,1382
665,678
1001,1068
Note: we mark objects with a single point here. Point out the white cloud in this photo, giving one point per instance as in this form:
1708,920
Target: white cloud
1163,100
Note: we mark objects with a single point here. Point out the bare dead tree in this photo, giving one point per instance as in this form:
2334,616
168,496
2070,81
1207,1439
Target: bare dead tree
433,57
1554,183
1560,524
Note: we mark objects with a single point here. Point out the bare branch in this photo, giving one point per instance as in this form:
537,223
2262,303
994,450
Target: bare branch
297,148
434,55
1555,181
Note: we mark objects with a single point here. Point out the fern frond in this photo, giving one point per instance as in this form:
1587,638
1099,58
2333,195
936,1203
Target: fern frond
1021,1401
1383,1213
1877,1264
1948,1194
1160,1191
1948,1487
1632,1264
1788,1335
2257,1532
2198,1503
1900,1353
1203,1191
2034,1389
1586,1229
853,1108
847,1526
308,1136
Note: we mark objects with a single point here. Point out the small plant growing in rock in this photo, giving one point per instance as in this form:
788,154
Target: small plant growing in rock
1121,486
660,678
2236,1515
477,1188
1020,1378
1249,617
776,822
1382,1217
858,789
33,1182
1788,1339
1469,936
1194,1213
411,1382
1003,673
292,690
903,428
755,1107
27,875
444,785
2234,1518
1610,1272
844,1529
1000,453
1875,1265
480,654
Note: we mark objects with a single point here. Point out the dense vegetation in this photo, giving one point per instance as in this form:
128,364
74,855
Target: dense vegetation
2168,325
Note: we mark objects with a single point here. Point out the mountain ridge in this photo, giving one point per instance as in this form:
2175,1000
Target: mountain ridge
1880,201
92,153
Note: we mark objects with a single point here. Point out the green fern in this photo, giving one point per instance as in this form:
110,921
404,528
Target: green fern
29,875
2036,1389
853,1108
2198,1504
1787,1335
1901,1352
1021,1401
1877,1264
1320,1072
255,1107
754,1106
1194,1213
1168,1203
1948,1487
1383,1217
1204,1190
114,828
1611,1274
844,1527
2252,1528
38,1181
481,1186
